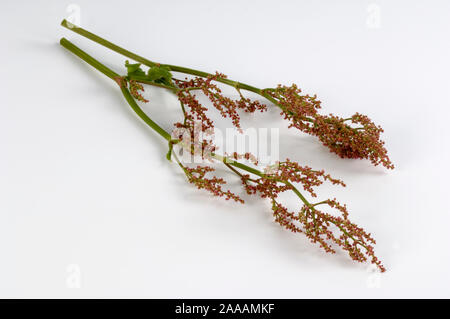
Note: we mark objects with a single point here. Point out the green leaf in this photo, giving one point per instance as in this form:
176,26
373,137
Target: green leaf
160,74
134,68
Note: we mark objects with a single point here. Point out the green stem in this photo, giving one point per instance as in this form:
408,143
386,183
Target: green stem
87,58
320,203
126,93
106,43
233,169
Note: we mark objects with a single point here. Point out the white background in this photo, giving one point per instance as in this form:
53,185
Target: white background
90,207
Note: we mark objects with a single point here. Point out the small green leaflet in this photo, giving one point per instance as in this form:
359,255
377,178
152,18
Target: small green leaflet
160,74
157,74
134,69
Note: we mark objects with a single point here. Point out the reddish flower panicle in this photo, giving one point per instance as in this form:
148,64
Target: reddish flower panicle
226,106
355,137
319,227
135,87
213,185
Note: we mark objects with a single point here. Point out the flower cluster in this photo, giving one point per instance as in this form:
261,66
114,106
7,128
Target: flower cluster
285,173
227,107
135,87
247,156
191,139
306,176
318,226
197,177
354,137
197,122
351,238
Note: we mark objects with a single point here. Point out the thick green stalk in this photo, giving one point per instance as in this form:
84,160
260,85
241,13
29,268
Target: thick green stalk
88,59
126,93
105,43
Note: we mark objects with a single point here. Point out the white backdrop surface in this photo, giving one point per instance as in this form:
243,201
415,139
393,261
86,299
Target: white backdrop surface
90,207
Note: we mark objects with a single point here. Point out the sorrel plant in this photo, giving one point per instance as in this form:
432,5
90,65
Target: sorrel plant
351,137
